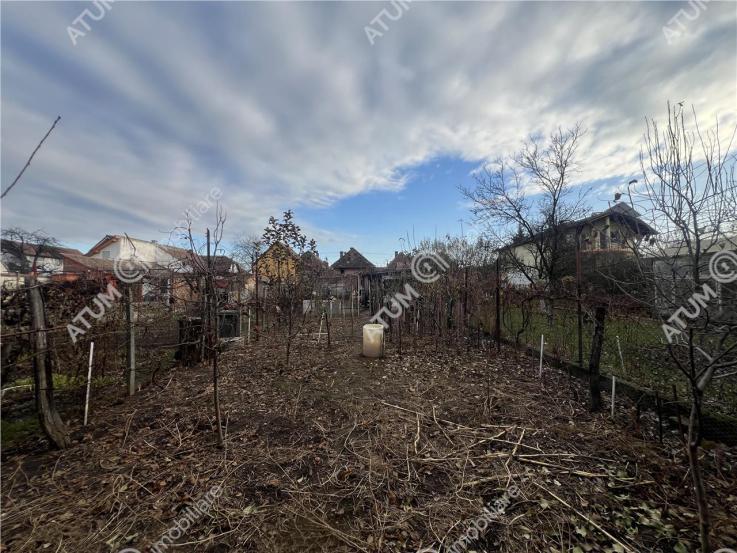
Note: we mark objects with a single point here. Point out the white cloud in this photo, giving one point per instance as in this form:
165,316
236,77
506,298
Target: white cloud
285,105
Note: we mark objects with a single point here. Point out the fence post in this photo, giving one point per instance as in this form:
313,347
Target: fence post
579,312
542,346
89,380
621,357
614,392
498,308
597,343
131,342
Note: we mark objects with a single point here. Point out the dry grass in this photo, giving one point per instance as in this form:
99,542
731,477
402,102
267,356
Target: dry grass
342,453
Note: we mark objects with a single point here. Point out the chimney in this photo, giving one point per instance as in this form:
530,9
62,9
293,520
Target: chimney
396,253
341,254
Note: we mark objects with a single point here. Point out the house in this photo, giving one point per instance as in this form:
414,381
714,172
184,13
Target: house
169,277
45,261
230,281
77,266
402,261
672,267
157,255
351,263
279,262
605,237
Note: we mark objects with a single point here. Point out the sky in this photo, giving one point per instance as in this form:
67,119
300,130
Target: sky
299,106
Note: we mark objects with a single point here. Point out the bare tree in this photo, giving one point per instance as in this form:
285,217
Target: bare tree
25,249
689,194
202,267
528,201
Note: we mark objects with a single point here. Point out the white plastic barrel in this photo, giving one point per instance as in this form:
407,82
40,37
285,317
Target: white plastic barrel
373,340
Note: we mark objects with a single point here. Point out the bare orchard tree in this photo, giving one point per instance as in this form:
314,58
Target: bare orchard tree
204,272
689,194
527,203
22,253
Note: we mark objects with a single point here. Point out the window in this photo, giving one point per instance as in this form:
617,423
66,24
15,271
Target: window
106,254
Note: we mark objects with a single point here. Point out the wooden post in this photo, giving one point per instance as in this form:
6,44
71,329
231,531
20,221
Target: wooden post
89,381
498,329
678,413
131,341
249,325
465,304
542,346
579,310
660,416
597,343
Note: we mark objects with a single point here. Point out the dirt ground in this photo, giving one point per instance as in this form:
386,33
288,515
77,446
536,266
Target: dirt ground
342,453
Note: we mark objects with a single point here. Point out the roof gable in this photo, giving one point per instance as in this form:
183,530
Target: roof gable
352,259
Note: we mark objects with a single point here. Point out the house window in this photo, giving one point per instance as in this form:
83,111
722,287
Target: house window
603,240
106,254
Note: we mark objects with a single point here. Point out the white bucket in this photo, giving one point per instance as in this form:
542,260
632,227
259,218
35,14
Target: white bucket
373,340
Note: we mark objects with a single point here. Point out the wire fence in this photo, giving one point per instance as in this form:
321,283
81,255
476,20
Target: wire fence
472,307
464,308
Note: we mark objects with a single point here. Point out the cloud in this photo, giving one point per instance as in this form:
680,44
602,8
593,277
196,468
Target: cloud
287,104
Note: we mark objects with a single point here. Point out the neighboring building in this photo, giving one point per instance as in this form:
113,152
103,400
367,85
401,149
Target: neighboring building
46,261
230,281
672,266
352,262
614,232
169,277
157,255
77,266
277,263
402,261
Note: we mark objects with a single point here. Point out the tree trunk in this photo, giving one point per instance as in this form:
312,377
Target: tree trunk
596,346
694,439
213,340
48,416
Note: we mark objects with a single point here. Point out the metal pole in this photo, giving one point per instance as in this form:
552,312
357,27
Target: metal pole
621,358
614,392
89,380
